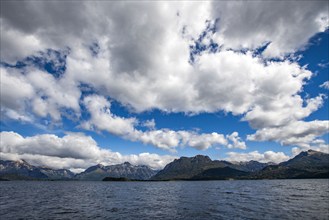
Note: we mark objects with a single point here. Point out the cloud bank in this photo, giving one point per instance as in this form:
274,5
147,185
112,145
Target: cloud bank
74,151
268,156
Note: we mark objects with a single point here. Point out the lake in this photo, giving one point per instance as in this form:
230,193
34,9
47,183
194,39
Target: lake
245,199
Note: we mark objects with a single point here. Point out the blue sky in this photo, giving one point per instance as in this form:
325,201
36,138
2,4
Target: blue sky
149,82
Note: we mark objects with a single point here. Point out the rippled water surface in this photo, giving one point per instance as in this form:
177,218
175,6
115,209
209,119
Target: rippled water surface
257,199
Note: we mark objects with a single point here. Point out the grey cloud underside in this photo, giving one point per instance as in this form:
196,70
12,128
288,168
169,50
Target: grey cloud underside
139,53
293,23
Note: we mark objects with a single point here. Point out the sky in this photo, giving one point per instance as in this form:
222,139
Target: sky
106,82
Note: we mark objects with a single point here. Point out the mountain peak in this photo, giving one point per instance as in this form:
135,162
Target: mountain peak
127,163
308,153
23,161
187,167
199,156
311,152
310,158
100,165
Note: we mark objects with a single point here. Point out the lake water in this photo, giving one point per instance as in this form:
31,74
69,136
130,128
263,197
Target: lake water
253,199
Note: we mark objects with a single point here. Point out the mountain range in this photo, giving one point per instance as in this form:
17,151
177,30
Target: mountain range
21,170
202,167
308,164
125,170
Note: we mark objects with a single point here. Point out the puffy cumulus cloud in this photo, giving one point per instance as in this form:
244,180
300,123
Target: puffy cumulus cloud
293,23
325,85
145,49
164,139
236,141
298,133
267,93
28,91
150,124
14,41
140,55
53,94
282,111
169,139
202,141
177,86
31,25
15,88
102,119
162,73
130,25
73,151
12,114
268,156
71,146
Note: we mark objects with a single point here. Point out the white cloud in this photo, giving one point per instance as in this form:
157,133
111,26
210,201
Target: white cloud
12,114
298,133
236,141
267,93
203,141
293,22
15,88
323,65
102,119
150,56
281,111
14,41
325,85
143,63
256,23
72,151
150,124
36,90
268,156
53,94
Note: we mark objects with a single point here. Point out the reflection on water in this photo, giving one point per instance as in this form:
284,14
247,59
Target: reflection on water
259,199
